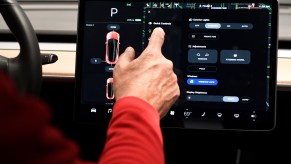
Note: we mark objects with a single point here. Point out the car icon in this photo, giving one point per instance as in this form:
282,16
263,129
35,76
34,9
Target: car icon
93,110
112,47
109,89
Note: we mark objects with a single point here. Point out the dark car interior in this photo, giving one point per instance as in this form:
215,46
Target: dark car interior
232,59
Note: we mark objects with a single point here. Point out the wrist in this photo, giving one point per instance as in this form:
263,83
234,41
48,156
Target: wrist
129,103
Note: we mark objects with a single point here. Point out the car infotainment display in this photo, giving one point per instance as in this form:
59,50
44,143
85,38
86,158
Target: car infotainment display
224,54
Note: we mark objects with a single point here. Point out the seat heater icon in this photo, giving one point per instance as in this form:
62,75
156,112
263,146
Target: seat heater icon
109,89
112,47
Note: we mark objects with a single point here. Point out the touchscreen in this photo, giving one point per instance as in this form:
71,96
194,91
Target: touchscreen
224,55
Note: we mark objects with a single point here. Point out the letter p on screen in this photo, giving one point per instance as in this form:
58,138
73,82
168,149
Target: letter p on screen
113,11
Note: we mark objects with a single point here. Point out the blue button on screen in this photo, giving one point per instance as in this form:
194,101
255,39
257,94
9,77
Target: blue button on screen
194,81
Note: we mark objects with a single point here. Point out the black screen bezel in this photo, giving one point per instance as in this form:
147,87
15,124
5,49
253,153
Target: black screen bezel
269,121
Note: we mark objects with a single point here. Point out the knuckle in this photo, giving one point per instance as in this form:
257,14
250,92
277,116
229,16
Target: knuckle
169,64
175,77
148,52
178,92
116,67
166,63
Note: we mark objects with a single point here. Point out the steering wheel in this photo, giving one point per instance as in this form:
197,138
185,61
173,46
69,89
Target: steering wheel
25,69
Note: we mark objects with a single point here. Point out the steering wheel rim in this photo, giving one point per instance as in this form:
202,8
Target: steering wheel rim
26,68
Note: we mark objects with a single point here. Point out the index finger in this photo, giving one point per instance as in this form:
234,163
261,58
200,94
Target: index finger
157,38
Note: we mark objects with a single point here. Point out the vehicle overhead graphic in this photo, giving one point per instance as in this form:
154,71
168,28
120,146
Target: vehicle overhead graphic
112,47
109,89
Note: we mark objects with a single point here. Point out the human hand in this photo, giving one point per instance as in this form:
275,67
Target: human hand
149,77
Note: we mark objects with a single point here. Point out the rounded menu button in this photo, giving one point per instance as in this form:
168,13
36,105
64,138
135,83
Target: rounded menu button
230,99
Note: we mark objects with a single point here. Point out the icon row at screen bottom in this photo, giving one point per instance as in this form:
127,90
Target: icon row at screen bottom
188,114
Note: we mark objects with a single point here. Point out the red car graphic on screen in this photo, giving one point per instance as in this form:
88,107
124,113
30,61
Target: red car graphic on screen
109,89
112,47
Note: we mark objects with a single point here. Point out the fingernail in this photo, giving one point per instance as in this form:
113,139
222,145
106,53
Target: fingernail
128,49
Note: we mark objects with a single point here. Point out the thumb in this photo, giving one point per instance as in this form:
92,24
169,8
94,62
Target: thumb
126,57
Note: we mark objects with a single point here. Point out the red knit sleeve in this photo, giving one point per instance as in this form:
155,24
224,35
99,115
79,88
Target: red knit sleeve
134,134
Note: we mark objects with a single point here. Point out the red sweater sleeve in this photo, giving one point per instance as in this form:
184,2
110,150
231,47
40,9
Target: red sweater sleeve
134,134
